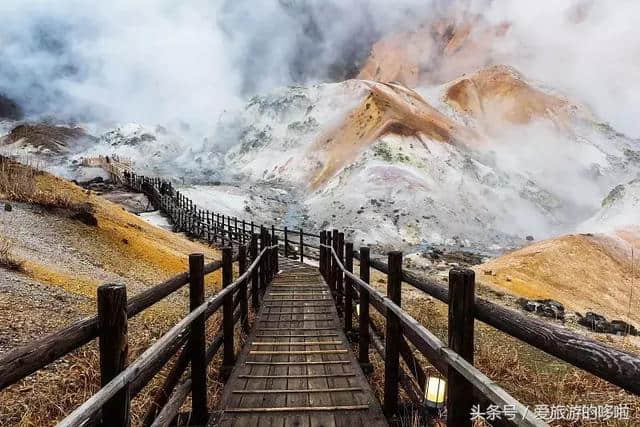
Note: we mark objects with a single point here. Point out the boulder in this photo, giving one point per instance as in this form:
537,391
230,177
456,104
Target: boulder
8,207
543,307
598,323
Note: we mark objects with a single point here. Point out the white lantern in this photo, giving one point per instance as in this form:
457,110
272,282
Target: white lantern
434,392
358,309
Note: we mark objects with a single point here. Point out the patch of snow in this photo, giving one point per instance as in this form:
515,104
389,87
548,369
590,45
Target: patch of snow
157,218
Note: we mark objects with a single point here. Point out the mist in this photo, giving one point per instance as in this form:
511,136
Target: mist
162,61
589,50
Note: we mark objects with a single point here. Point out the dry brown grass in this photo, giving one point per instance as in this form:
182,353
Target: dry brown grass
45,397
121,243
19,182
530,375
8,260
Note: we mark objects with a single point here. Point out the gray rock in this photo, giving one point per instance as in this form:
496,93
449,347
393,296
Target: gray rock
543,307
598,323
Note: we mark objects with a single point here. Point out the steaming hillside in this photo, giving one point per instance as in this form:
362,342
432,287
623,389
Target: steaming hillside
440,139
484,160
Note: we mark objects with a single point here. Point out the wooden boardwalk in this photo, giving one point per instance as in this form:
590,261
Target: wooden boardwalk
297,368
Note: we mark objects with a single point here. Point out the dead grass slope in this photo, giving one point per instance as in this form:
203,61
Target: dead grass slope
585,272
530,375
64,261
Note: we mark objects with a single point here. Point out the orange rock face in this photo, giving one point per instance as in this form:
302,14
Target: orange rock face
586,272
497,94
389,108
437,52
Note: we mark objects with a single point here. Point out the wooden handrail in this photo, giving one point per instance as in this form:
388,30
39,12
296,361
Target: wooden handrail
25,360
149,356
615,366
431,346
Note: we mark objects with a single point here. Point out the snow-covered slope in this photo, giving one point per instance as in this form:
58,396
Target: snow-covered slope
402,166
620,208
484,160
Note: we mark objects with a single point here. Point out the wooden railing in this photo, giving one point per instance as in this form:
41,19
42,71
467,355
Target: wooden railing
120,383
336,258
613,365
112,399
454,362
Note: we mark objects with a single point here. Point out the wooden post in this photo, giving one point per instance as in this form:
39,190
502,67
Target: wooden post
301,246
228,358
244,232
235,222
223,230
286,243
273,232
244,304
329,259
197,341
275,253
267,256
334,265
461,334
363,318
393,337
348,292
255,283
114,348
263,263
321,261
339,274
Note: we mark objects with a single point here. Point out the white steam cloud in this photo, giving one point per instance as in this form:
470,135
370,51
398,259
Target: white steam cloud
589,49
162,61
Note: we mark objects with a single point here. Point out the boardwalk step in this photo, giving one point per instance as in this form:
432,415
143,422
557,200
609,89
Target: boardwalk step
326,362
297,376
296,336
298,312
300,409
257,352
299,343
297,329
311,390
315,319
297,299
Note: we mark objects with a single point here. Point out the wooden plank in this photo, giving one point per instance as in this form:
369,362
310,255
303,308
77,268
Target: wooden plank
302,362
299,376
276,352
301,408
287,390
305,361
298,343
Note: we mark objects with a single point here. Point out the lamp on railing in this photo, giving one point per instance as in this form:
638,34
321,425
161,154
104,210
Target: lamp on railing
434,392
